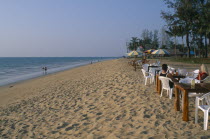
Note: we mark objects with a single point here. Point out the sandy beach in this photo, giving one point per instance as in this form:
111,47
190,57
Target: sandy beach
101,100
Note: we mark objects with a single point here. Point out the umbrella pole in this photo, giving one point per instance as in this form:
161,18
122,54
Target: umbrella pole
135,62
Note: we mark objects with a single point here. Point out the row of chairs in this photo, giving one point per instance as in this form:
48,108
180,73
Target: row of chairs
151,74
205,107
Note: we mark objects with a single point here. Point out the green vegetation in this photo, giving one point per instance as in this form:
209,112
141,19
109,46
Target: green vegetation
191,60
187,20
149,40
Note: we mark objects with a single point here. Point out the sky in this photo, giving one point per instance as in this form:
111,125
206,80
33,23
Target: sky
74,28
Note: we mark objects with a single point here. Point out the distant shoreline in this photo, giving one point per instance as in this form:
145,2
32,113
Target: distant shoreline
25,78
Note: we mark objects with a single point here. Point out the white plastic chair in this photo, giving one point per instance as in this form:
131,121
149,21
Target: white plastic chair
139,62
158,63
146,76
165,85
145,66
152,73
205,108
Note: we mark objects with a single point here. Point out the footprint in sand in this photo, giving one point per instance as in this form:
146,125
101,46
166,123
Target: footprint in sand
63,125
71,127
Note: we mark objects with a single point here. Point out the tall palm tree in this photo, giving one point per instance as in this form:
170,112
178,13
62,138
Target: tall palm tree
184,11
134,43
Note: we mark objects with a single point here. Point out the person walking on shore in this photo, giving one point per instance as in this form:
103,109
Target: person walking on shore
44,69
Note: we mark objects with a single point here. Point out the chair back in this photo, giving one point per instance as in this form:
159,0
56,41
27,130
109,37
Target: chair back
145,67
165,81
139,62
206,98
152,70
158,63
144,72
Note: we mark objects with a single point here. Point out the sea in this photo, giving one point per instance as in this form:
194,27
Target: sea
16,69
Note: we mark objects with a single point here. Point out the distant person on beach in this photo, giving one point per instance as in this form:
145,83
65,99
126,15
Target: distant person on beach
203,72
169,75
44,69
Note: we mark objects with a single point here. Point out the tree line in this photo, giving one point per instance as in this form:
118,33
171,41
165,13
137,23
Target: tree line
149,39
188,20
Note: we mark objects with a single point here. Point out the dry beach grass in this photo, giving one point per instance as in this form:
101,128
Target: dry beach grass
102,100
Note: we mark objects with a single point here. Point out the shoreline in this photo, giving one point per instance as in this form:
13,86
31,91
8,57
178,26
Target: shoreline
46,74
6,88
103,100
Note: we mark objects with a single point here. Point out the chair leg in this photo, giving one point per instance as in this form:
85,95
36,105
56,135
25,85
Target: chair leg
161,93
205,123
167,92
145,81
196,110
170,93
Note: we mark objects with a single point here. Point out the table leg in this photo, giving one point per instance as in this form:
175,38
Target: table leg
185,106
159,86
177,101
157,83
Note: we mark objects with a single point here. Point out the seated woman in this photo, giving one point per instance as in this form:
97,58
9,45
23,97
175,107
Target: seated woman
203,73
169,75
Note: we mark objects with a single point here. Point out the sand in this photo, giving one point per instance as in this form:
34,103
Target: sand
102,100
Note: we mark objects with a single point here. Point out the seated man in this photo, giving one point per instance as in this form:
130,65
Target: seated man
169,75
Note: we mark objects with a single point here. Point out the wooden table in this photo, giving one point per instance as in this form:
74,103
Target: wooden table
158,82
186,88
